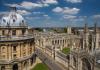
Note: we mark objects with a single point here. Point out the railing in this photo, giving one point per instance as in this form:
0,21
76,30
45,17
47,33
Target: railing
13,26
10,38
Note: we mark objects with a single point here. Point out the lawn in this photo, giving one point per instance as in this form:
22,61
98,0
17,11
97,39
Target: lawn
40,66
66,50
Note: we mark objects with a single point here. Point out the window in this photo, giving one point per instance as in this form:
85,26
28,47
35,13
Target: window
23,31
4,20
24,53
14,56
14,48
3,32
3,49
13,20
13,32
3,56
2,67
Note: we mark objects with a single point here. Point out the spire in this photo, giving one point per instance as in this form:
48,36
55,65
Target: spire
86,26
95,28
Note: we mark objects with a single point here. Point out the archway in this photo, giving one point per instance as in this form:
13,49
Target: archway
86,64
15,67
2,67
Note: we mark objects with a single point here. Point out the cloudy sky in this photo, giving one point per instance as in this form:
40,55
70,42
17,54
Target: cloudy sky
55,13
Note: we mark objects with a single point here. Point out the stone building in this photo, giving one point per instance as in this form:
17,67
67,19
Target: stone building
16,44
50,42
91,38
83,47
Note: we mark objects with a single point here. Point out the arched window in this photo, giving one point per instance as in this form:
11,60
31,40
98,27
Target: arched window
15,67
2,67
14,48
3,49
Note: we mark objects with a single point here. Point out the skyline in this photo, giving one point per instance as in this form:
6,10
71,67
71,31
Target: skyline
55,13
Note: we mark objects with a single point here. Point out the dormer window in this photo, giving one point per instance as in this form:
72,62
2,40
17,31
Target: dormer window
22,21
13,20
4,20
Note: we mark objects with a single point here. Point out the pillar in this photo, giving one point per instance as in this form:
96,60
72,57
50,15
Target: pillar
79,64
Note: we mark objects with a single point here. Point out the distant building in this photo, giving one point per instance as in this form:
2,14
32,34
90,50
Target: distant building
83,44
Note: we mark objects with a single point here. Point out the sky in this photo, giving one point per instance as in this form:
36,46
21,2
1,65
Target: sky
55,13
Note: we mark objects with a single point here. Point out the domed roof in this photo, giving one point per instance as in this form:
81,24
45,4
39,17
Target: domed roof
13,19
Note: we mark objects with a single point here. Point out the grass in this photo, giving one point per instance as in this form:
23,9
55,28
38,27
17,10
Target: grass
40,66
65,50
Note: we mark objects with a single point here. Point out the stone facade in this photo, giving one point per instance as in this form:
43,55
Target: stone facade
16,44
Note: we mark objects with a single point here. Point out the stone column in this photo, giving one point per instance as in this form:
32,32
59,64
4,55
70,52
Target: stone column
8,52
0,52
20,66
20,50
27,48
79,64
71,62
29,63
97,41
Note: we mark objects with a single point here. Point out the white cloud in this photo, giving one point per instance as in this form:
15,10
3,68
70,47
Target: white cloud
69,17
27,5
31,5
66,10
74,1
57,9
46,16
23,12
96,16
49,1
37,12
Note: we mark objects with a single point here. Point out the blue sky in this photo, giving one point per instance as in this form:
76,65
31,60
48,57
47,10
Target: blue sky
55,13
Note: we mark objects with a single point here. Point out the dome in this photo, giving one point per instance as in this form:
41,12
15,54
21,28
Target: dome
13,19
